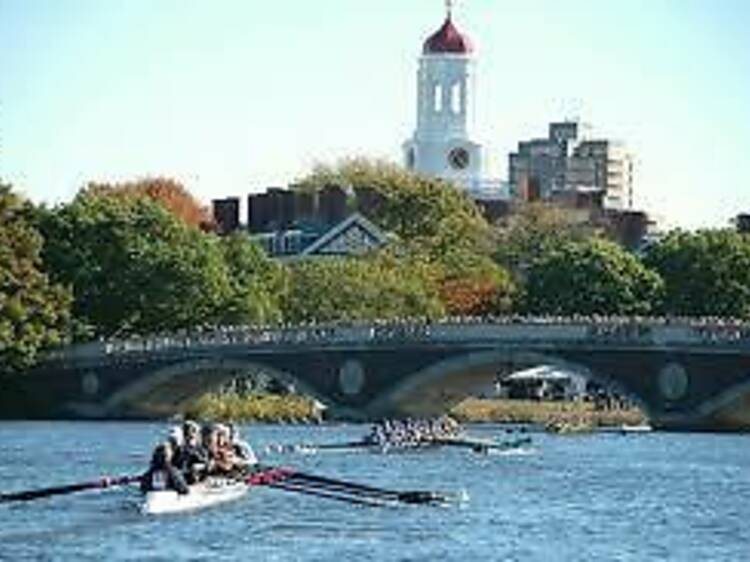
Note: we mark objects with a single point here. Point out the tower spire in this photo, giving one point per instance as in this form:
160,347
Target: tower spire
449,8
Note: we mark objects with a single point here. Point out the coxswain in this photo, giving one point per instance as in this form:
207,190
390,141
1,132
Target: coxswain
162,474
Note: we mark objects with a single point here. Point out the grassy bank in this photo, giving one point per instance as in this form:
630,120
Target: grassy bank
557,416
270,408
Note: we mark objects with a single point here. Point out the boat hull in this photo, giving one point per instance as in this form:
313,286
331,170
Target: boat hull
201,496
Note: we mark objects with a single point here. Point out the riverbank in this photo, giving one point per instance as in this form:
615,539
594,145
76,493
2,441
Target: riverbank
263,408
555,416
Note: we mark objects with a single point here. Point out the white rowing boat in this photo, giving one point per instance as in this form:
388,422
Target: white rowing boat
202,495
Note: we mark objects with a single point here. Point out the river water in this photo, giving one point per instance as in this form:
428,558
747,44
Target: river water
651,496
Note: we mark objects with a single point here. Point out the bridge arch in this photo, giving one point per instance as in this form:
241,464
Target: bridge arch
165,391
444,384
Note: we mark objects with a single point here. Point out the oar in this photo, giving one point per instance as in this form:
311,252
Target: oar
270,475
411,496
282,479
480,445
100,484
334,446
357,500
320,447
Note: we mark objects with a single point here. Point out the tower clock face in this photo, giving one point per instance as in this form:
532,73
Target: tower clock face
458,158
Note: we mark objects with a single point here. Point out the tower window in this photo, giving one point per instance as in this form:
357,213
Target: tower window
438,98
456,98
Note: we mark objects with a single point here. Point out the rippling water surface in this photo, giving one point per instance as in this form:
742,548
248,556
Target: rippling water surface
649,496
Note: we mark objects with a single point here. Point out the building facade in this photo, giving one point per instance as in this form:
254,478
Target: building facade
742,223
291,223
566,168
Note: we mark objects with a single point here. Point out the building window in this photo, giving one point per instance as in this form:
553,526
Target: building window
438,98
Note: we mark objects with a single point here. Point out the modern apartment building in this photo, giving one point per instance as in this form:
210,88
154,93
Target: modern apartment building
564,167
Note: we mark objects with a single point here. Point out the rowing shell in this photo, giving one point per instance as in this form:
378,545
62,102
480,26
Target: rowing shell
202,495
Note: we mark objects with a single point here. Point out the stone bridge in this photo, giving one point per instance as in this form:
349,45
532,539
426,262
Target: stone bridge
684,375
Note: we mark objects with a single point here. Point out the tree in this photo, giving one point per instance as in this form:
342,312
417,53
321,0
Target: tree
533,231
591,277
34,313
473,285
438,229
425,213
257,283
346,289
133,266
165,191
706,273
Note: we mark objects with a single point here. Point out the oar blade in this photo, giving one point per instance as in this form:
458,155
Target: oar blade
424,497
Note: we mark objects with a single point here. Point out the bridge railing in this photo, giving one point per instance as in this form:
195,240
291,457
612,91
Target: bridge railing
596,330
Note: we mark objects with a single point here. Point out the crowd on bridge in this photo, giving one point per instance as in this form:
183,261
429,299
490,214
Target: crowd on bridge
193,452
632,328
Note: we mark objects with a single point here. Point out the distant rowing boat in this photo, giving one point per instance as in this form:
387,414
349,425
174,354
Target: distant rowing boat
626,429
474,444
202,495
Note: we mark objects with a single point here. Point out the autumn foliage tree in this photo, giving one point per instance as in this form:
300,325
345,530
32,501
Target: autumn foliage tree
168,192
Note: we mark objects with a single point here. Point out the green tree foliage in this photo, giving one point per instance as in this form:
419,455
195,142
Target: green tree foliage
133,266
34,313
345,289
257,283
591,277
706,273
429,214
441,236
534,230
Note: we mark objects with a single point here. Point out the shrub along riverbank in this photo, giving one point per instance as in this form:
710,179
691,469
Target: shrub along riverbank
555,416
562,416
257,407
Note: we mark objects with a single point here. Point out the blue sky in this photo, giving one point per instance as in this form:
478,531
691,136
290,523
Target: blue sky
232,96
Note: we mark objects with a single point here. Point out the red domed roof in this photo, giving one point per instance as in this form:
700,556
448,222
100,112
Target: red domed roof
448,39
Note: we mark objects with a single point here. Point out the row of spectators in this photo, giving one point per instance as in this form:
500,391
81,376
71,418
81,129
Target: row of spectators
705,329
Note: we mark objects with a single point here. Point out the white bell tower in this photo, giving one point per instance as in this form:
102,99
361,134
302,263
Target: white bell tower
441,144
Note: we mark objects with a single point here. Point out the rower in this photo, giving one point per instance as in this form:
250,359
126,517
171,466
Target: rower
161,473
244,454
378,436
191,458
223,458
176,439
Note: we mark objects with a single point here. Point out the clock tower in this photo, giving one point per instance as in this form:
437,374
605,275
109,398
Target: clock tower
441,144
